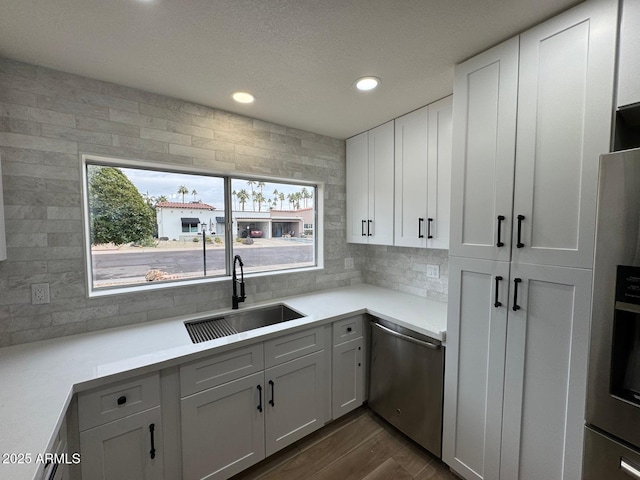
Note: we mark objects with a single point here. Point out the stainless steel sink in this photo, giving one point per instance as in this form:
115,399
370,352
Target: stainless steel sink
236,322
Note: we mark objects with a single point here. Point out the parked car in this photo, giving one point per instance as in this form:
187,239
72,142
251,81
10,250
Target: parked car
255,233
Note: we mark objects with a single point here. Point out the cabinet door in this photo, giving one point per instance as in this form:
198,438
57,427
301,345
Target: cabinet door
348,377
411,179
439,176
484,126
357,188
223,429
380,226
629,59
294,395
475,349
565,104
545,375
123,448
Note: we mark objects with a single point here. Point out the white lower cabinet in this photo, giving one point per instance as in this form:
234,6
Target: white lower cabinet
348,365
230,410
125,448
223,429
121,430
348,377
294,400
233,423
516,370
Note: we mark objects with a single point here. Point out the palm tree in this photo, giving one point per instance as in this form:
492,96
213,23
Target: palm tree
261,185
162,198
275,197
251,183
281,198
182,190
296,200
234,193
306,194
243,196
290,199
260,199
194,193
253,201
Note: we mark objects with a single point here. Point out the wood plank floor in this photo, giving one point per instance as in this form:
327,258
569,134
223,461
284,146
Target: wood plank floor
358,446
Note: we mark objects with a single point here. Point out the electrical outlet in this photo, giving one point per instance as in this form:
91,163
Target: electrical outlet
40,293
433,271
348,263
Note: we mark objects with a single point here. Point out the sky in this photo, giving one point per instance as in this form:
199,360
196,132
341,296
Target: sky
209,189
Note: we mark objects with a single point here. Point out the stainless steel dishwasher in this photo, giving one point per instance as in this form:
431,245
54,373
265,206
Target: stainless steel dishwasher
406,383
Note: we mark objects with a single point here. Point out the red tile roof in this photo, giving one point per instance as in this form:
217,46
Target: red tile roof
190,205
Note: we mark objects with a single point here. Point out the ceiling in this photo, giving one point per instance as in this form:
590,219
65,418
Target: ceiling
298,57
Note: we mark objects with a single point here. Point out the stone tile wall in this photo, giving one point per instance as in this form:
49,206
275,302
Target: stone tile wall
49,118
405,269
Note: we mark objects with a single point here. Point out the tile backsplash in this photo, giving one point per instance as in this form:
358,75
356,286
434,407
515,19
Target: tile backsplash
405,269
49,118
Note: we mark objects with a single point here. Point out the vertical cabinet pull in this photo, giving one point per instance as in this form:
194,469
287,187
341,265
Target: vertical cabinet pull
152,452
259,387
497,303
500,220
369,234
520,219
271,402
362,229
516,282
429,220
420,221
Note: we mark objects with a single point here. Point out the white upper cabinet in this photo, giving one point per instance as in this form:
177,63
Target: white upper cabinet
564,98
370,186
357,187
423,141
411,178
629,54
565,104
484,127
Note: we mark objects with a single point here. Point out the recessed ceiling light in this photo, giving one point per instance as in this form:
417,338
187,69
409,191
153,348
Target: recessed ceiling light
243,97
366,84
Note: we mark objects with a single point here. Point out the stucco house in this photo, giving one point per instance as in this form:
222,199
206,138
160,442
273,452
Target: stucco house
183,221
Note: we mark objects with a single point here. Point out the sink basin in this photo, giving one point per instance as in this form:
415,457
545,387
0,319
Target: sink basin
236,322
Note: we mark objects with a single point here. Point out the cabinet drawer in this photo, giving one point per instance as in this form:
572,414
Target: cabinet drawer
222,368
347,329
105,404
294,345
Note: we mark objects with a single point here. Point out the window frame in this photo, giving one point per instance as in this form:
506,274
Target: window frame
108,161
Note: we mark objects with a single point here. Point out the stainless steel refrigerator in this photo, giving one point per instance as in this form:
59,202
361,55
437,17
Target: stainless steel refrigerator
612,435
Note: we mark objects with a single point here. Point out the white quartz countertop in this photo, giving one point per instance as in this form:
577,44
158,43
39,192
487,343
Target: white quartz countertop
38,379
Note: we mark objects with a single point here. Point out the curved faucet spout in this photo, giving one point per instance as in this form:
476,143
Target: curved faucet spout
235,298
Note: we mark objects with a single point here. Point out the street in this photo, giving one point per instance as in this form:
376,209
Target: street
118,266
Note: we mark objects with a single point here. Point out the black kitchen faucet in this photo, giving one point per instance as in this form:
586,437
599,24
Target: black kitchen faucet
235,299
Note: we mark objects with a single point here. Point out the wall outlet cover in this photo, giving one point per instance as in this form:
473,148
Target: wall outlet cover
433,271
40,294
348,262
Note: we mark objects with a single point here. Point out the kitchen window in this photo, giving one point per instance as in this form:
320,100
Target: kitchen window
151,226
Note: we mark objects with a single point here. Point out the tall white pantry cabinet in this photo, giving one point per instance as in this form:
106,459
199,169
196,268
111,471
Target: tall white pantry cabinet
531,117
